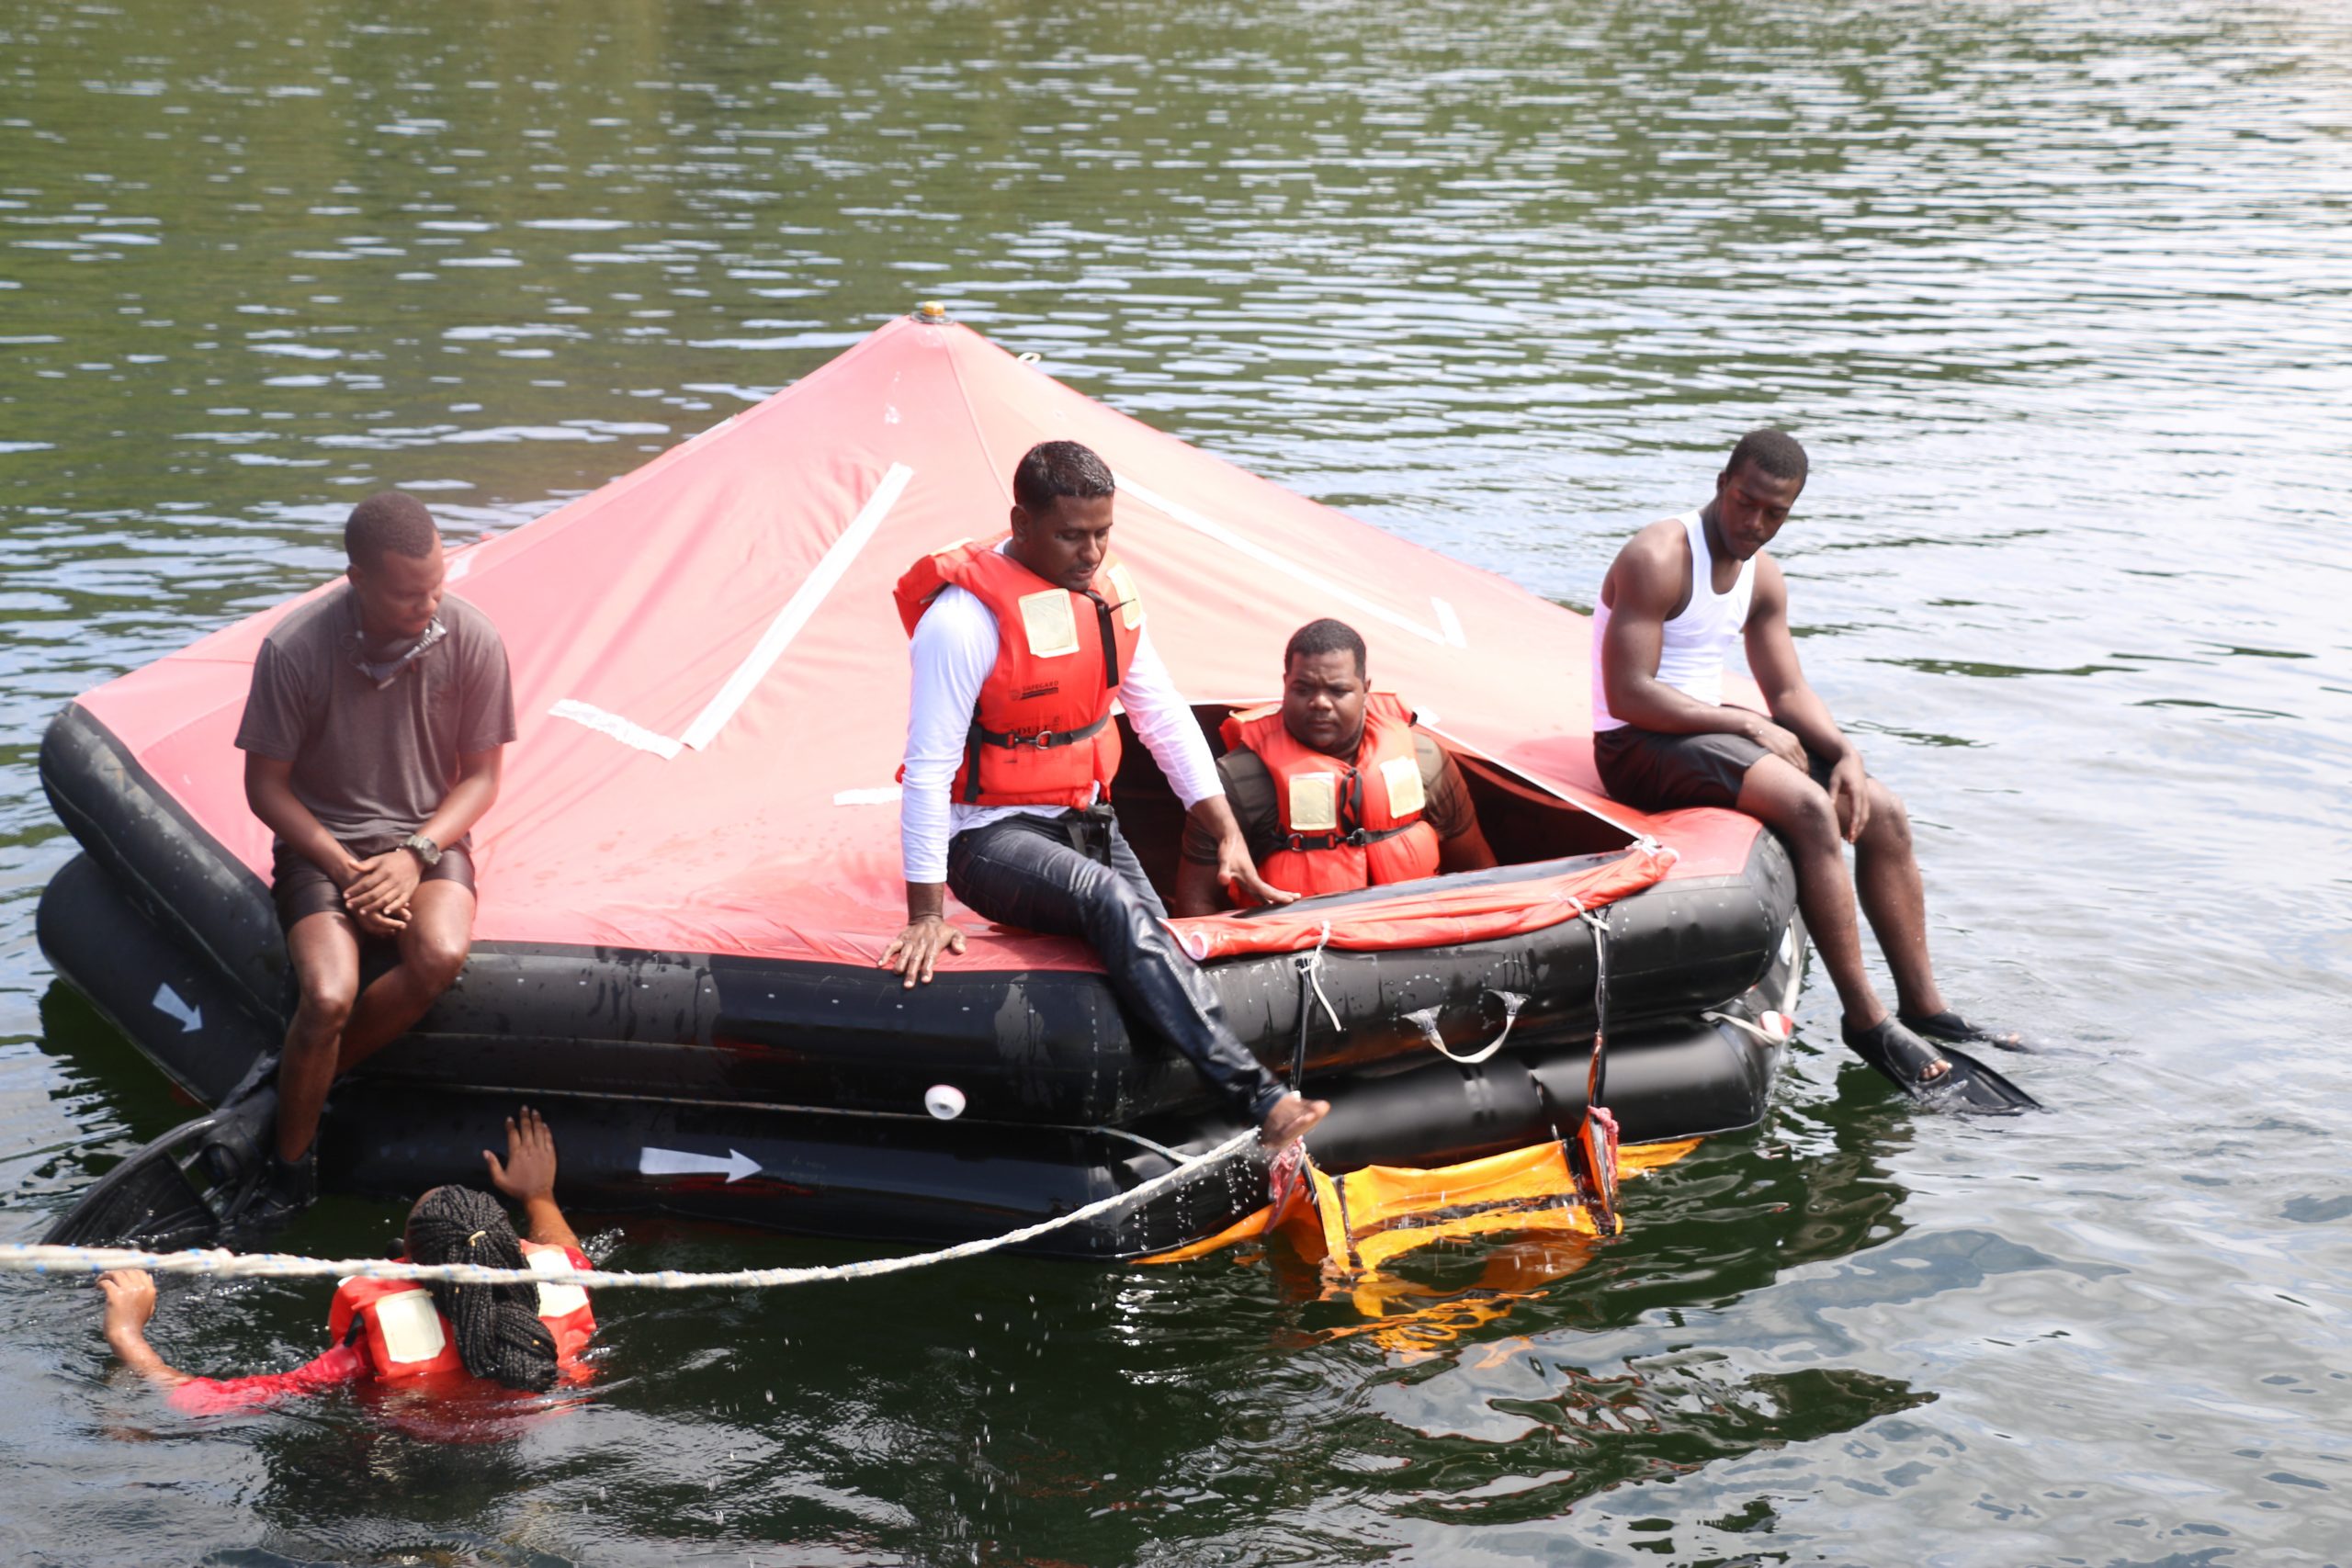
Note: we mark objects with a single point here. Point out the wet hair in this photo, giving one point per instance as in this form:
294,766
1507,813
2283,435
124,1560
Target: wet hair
1052,469
1326,635
1775,452
496,1327
388,520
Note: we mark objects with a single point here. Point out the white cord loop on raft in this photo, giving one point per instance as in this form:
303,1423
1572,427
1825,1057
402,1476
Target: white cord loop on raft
1311,965
1427,1018
220,1264
1763,1031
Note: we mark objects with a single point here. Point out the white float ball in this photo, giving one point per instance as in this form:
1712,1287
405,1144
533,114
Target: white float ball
943,1100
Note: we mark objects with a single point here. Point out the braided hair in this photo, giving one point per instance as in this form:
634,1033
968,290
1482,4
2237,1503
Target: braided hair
497,1327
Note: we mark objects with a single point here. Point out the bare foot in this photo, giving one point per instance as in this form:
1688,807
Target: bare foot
1289,1120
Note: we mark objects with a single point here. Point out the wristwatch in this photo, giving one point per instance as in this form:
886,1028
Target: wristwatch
422,849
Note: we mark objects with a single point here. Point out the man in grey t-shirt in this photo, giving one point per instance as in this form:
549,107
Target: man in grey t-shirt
372,739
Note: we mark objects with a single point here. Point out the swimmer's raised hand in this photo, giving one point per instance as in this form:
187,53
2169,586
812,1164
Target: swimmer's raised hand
528,1170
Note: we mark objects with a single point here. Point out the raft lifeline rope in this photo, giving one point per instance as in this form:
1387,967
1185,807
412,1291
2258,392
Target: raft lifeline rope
220,1264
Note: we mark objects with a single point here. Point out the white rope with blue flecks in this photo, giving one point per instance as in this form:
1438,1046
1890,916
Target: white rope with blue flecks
219,1263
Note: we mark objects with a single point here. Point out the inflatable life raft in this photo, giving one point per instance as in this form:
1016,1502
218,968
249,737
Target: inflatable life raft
693,867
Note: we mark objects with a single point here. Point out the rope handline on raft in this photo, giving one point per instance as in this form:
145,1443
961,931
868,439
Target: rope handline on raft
220,1264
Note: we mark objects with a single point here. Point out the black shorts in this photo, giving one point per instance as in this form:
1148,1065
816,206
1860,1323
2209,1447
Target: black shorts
1651,772
300,889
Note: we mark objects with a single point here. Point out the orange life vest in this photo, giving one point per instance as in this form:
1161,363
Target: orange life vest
1042,733
1345,824
406,1337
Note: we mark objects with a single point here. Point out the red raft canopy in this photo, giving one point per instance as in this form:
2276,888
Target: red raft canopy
711,683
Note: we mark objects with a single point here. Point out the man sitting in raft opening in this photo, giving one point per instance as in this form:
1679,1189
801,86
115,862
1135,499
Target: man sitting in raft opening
371,740
523,1337
1676,596
1333,786
1019,648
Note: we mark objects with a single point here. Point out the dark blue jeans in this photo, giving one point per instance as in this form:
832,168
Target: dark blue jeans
1074,875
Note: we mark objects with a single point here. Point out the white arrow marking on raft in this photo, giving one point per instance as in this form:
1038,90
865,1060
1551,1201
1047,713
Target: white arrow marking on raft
796,614
737,1165
168,1003
1446,633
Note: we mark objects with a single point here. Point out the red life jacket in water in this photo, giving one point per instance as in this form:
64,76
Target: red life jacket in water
1042,733
406,1337
1345,824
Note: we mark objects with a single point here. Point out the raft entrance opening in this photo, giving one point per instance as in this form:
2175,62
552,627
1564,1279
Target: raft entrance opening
1524,823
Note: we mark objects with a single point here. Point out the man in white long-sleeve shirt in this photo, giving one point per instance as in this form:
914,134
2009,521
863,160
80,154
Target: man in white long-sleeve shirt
1019,650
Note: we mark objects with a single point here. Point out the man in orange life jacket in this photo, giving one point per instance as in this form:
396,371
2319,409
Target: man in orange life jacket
394,1331
1678,594
1018,650
1333,786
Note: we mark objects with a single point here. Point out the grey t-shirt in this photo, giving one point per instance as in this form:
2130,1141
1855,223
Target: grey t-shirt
372,763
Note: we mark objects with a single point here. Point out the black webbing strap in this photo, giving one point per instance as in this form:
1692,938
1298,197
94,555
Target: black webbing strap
1350,811
1355,840
1043,740
1102,608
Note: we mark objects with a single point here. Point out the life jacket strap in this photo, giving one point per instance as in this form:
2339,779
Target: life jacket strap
1355,840
1043,740
1102,608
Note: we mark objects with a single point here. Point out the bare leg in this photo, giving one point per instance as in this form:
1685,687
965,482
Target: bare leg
433,949
1887,878
326,952
1799,810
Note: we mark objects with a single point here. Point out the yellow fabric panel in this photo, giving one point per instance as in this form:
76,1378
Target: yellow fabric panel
1337,1251
1239,1231
1379,1193
1378,1248
1528,1192
1634,1157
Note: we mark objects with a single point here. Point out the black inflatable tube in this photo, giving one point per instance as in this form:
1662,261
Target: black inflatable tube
820,1170
1042,1046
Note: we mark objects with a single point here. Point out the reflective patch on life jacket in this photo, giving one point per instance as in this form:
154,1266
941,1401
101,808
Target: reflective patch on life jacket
1130,602
410,1325
555,1301
1403,777
1051,627
1314,803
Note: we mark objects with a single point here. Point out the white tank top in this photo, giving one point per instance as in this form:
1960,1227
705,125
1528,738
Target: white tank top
1691,657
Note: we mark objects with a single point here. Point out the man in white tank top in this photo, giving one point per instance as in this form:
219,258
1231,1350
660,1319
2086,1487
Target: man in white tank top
1677,596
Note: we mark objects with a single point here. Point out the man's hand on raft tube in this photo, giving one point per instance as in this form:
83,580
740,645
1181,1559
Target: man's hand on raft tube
915,951
1236,869
1288,1123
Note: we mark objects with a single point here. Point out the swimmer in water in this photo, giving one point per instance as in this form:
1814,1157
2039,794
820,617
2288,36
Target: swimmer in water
517,1336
